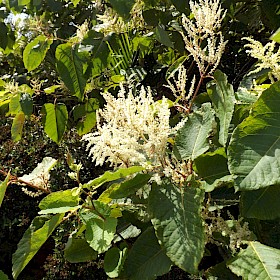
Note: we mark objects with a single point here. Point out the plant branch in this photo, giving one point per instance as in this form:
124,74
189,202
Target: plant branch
16,180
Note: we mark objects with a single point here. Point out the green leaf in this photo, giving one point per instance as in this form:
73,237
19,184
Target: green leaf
254,149
100,233
78,250
3,188
34,237
130,187
212,165
162,36
276,36
122,7
87,115
109,176
174,67
70,69
178,223
146,259
35,52
3,276
40,175
75,2
17,126
26,104
114,261
3,35
100,226
257,261
222,96
59,202
55,117
191,139
262,204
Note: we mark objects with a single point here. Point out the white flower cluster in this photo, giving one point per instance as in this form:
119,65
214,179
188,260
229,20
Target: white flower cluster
208,16
131,130
267,57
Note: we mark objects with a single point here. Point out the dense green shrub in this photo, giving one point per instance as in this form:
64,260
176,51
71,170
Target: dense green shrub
153,130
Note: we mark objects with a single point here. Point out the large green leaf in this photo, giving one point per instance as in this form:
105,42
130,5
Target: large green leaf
212,165
178,223
257,261
114,261
70,69
100,233
222,96
100,226
254,149
147,259
17,126
191,140
59,202
78,250
34,237
55,117
109,176
262,204
86,114
3,188
35,52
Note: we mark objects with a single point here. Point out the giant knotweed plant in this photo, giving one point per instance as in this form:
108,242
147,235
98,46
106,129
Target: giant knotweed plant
191,175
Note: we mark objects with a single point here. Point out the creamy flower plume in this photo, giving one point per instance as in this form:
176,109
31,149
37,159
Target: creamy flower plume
208,16
131,130
267,57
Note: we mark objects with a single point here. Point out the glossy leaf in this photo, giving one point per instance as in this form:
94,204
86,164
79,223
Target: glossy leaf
212,165
257,261
100,226
86,114
26,104
114,261
100,233
59,202
261,204
176,216
130,187
110,176
276,36
70,68
254,149
17,126
3,188
191,139
35,52
147,259
55,117
162,36
78,250
222,96
34,237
